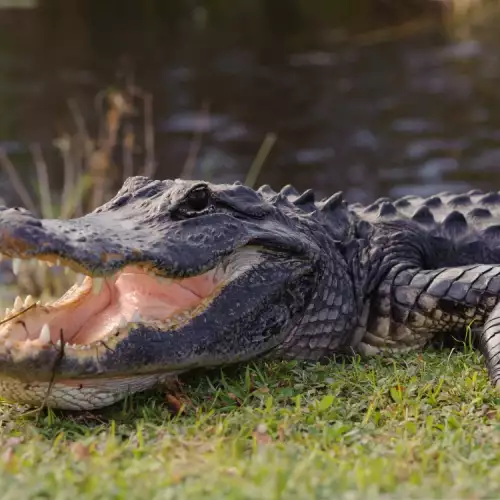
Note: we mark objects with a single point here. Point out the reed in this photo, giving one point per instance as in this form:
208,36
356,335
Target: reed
91,162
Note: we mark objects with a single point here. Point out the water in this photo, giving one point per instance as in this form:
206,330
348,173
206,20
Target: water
368,100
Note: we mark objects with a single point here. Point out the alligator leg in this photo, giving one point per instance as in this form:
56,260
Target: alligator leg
413,305
489,341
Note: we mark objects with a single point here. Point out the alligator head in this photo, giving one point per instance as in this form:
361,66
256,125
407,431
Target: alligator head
178,275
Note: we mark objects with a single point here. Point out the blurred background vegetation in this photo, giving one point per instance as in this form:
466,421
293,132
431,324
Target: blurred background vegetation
373,97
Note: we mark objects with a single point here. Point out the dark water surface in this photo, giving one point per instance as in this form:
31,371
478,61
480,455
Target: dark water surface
364,99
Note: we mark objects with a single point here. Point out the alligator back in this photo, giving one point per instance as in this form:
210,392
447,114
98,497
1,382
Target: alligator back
479,210
469,222
463,229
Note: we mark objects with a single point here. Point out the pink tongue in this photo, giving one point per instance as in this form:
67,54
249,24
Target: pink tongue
202,286
140,291
152,298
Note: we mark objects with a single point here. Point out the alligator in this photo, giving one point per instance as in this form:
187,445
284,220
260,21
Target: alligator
178,275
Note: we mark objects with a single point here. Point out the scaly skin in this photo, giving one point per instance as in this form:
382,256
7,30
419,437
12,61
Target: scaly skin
304,279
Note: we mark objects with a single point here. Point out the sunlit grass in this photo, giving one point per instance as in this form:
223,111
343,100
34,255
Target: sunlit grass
423,425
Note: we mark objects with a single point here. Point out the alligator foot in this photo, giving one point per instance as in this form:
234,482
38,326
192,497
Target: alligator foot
489,338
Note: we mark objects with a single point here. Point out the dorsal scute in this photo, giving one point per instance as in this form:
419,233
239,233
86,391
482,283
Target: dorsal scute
266,190
332,203
289,191
387,209
423,215
455,224
460,217
305,198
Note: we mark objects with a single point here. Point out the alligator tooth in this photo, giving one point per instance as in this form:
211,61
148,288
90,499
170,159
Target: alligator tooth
45,334
97,284
67,270
136,317
16,266
58,262
29,301
219,274
18,303
79,278
122,323
165,281
7,312
58,343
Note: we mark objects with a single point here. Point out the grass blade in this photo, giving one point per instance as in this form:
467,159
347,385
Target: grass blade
260,158
43,181
17,183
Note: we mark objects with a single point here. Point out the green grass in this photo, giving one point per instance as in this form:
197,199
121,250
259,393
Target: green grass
419,426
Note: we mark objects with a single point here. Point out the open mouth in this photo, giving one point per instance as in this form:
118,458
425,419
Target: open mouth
87,349
96,309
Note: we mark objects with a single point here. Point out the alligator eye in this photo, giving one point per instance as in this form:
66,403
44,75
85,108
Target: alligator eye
198,199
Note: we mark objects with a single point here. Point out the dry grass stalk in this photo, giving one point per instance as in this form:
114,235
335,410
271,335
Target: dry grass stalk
260,159
149,168
17,182
43,181
195,144
88,166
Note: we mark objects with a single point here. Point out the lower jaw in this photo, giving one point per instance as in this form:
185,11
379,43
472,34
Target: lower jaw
81,394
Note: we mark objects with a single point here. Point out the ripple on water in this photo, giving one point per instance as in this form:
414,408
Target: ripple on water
426,190
434,169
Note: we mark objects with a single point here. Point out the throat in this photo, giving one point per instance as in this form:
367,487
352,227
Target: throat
98,307
137,297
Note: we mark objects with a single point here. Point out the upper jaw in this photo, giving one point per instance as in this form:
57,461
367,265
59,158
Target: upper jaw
100,243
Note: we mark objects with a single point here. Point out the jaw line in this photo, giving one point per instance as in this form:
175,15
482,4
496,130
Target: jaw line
102,242
238,263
